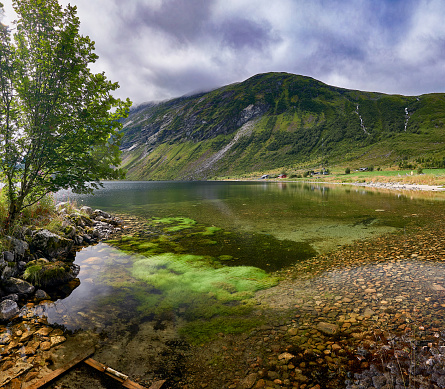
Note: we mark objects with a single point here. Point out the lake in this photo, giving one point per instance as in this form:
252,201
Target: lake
209,247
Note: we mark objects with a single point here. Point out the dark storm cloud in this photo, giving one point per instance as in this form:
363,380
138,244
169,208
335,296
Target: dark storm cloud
182,19
159,49
240,33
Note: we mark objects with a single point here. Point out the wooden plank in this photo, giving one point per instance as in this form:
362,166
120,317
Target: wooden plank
61,370
157,384
113,374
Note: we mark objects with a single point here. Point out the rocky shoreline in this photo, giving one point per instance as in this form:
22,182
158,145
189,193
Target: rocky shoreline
39,263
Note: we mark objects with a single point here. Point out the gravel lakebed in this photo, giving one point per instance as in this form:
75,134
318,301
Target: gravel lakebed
369,315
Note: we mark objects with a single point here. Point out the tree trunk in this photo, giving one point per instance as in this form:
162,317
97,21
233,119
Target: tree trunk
12,216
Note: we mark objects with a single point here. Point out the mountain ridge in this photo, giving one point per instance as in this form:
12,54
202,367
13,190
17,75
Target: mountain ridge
280,121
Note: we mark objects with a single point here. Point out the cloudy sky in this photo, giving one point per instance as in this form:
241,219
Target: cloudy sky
158,49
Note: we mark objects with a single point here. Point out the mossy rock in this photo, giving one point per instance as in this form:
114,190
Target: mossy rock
46,274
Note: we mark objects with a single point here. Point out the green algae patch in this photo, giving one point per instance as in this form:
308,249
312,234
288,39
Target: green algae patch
203,274
183,273
179,223
210,230
212,298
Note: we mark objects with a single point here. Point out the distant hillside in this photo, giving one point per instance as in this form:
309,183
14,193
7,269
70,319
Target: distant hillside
280,120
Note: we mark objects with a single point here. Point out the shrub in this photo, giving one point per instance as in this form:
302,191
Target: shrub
347,171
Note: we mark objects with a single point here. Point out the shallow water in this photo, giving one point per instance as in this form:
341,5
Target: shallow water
197,282
266,225
323,215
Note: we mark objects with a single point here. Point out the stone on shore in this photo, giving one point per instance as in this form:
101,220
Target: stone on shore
51,244
17,246
8,309
16,285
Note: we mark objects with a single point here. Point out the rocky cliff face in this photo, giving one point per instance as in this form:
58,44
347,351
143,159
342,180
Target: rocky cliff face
272,121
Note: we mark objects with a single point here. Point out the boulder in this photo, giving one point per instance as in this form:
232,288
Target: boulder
69,231
8,309
9,272
41,295
86,210
51,244
17,246
14,297
8,256
16,285
98,213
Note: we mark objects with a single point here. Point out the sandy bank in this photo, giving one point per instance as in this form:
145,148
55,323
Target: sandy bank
399,186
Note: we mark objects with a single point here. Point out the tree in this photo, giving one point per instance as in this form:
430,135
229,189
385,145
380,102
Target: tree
59,122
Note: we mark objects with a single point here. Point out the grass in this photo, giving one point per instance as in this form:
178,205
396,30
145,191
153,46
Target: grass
42,214
434,177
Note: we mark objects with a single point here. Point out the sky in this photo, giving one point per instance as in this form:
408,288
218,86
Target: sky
160,49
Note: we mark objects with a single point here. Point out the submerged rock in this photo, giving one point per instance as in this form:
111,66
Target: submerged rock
327,328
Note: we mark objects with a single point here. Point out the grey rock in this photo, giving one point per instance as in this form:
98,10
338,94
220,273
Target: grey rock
8,309
16,285
51,244
69,231
19,247
86,210
13,297
248,381
8,256
98,212
87,238
41,295
21,265
379,381
441,381
8,272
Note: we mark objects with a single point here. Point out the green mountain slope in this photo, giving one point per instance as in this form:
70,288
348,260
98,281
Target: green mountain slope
280,120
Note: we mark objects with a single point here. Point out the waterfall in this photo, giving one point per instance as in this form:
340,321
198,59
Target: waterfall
361,121
407,115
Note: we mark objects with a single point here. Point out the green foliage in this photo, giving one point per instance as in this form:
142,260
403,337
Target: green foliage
347,171
59,123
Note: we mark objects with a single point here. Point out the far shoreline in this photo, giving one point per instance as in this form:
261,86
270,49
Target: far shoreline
376,185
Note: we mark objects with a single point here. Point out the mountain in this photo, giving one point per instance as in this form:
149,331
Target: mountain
278,121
